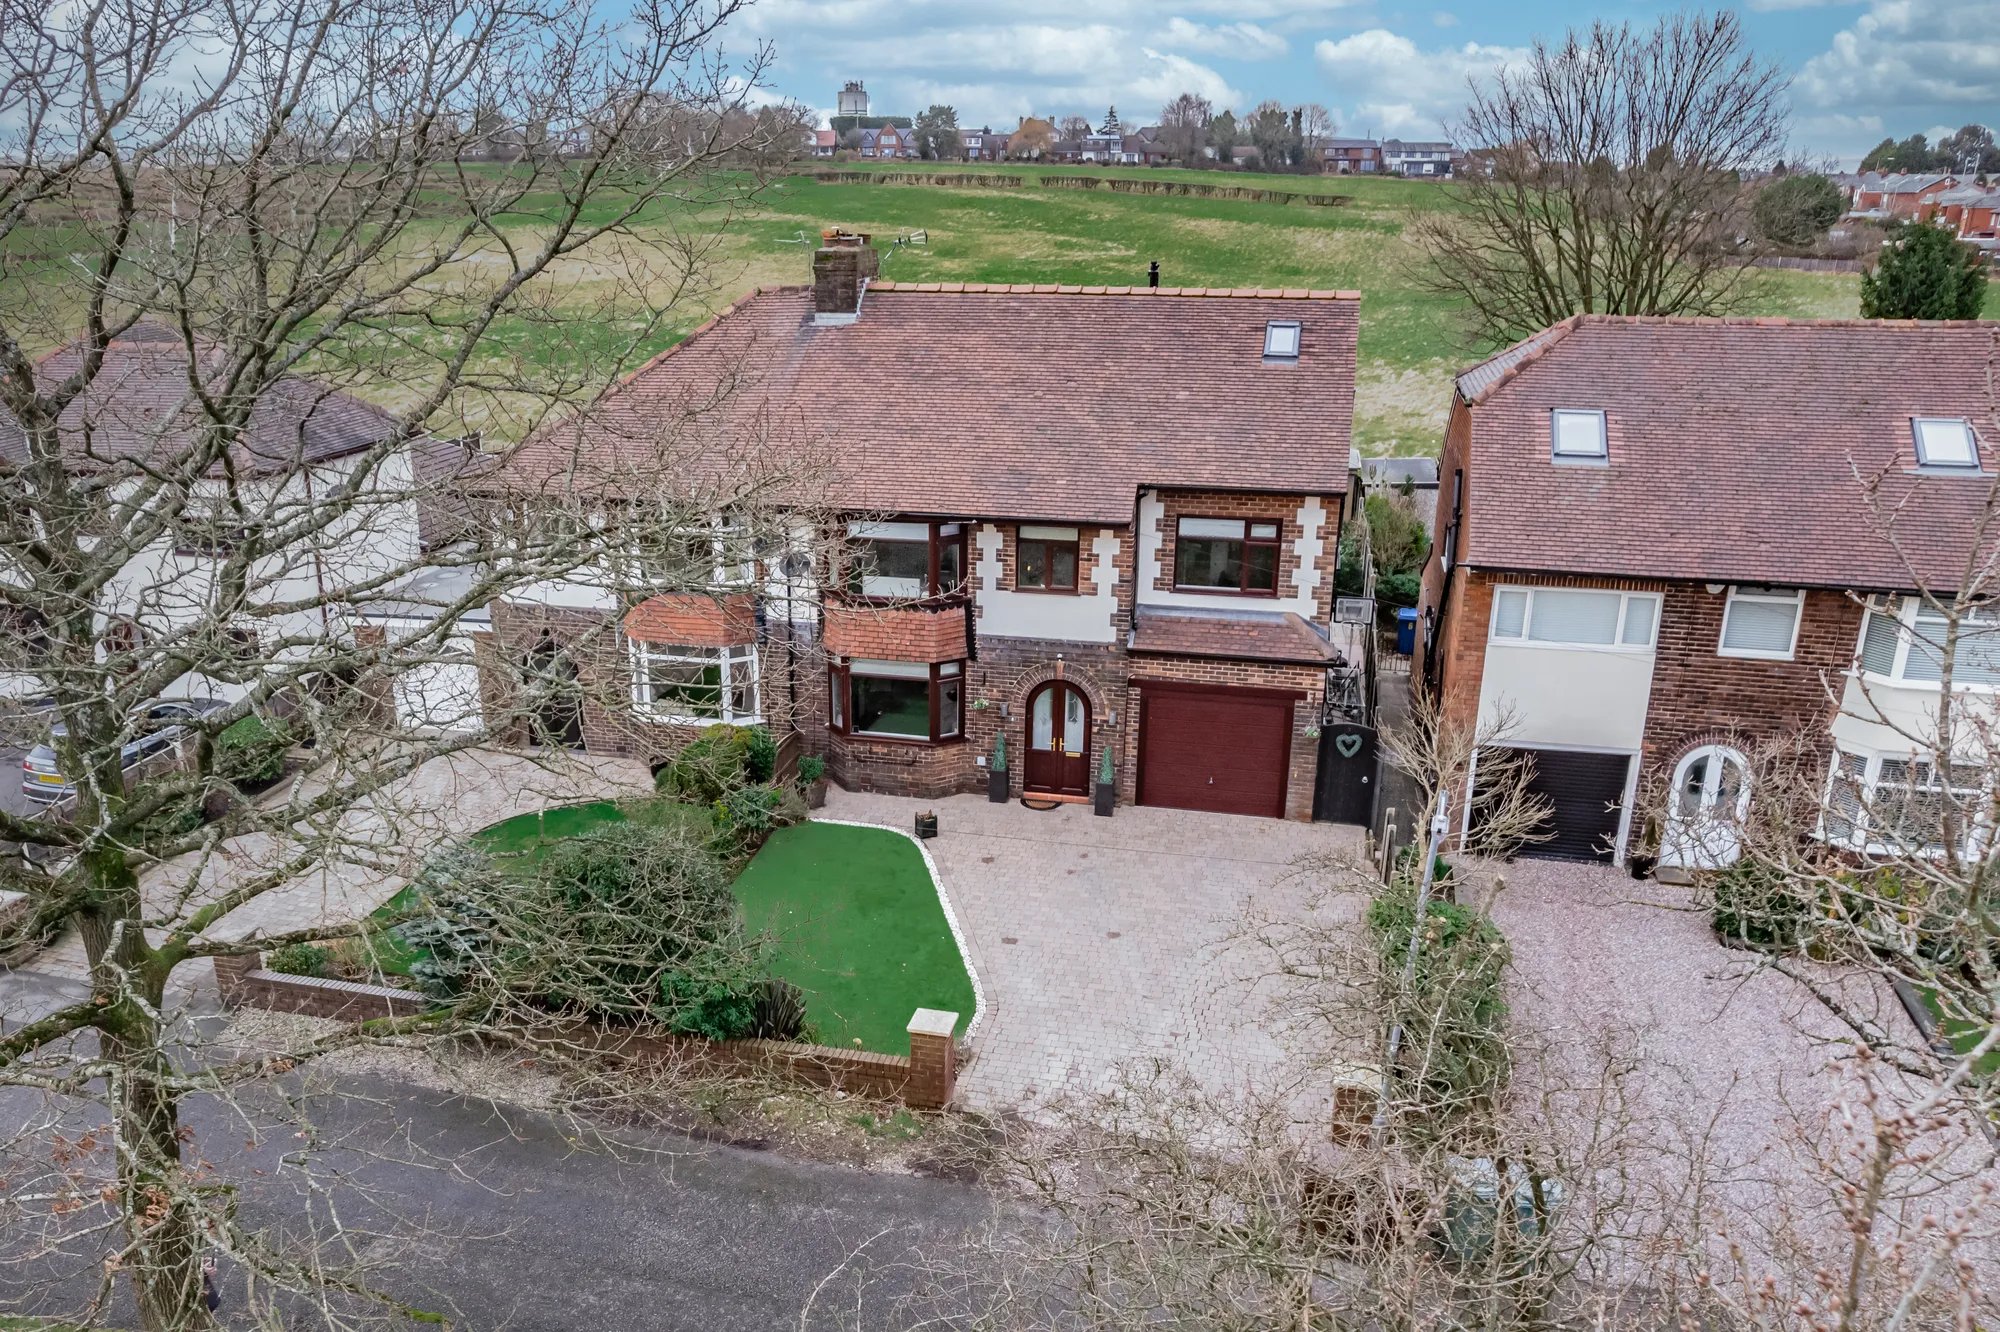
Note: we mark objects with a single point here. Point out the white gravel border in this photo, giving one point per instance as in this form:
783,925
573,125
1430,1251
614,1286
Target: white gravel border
950,916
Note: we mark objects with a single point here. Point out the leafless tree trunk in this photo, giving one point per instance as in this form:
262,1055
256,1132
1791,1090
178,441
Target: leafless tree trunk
217,226
1612,185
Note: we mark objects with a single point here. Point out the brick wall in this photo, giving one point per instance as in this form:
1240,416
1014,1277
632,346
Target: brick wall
899,633
1303,771
1283,509
1701,697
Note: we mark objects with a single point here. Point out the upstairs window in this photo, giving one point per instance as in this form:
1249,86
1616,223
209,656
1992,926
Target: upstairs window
1945,442
905,561
718,554
1226,555
1904,641
1575,617
1281,340
1576,436
1760,622
1047,559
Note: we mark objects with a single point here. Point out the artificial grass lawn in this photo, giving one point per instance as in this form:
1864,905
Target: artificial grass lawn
858,927
852,914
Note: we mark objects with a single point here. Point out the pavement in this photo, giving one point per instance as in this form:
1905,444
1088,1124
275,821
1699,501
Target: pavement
1100,942
503,1218
434,806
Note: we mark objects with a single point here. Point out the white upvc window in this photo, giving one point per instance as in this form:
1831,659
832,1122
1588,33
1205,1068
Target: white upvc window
1578,436
1902,642
718,553
1575,617
1894,804
696,685
1761,622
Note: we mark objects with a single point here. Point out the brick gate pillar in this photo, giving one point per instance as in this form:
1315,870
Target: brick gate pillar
933,1059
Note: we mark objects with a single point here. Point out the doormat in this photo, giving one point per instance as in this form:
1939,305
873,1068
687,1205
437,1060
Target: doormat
1033,803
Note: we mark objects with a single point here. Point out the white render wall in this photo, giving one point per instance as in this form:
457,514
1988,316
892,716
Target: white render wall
1589,698
1077,619
1898,720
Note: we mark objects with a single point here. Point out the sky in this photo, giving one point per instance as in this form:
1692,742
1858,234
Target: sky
1861,69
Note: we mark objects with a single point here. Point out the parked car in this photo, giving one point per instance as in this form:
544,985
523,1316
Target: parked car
44,785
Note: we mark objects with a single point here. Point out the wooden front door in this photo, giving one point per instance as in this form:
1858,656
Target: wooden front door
1058,741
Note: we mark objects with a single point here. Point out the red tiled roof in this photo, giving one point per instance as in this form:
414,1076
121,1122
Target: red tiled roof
1739,450
1007,400
139,405
693,619
1255,635
896,633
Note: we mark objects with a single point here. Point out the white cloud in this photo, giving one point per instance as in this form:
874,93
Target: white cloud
1444,19
1907,54
1386,86
1236,41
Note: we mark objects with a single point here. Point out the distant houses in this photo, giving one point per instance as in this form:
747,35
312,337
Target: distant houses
1113,143
1961,203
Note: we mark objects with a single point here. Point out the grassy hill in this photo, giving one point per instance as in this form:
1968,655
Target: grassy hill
1411,341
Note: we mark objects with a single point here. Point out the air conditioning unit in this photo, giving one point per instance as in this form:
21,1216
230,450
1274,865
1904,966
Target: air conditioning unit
1354,610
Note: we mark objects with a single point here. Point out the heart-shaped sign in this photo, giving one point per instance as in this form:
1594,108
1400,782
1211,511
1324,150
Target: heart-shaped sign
1349,745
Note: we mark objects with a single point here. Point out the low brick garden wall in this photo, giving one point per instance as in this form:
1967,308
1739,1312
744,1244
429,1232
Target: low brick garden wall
925,1079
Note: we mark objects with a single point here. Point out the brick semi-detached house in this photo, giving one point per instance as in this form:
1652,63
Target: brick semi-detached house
1025,546
1657,550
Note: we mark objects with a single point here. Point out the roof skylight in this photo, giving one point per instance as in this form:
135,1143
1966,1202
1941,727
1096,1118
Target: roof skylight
1281,340
1576,436
1944,441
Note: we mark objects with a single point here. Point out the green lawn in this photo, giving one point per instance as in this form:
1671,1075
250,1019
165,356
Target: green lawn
852,914
859,928
1412,340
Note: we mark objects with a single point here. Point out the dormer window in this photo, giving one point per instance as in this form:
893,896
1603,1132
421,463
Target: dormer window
1281,340
1577,436
1945,442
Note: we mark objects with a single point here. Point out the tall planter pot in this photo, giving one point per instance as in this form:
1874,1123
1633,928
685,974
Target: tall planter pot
1106,797
996,786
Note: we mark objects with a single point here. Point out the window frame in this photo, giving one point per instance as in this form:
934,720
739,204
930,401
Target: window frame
642,652
1052,544
1601,458
1868,782
1970,467
1907,610
1242,588
1797,597
936,542
1618,644
1298,332
725,536
840,675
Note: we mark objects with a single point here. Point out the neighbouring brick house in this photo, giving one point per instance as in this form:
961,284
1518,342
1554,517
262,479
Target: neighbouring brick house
1655,553
1018,550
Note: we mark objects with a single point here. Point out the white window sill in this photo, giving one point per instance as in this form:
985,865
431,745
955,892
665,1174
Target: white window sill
1874,681
1751,654
1616,649
658,718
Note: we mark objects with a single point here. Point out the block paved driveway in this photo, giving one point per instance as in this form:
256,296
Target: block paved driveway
1097,940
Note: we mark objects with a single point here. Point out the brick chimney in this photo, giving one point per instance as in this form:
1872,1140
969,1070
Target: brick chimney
841,266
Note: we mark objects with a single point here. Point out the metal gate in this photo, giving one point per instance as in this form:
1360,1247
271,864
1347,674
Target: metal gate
1345,790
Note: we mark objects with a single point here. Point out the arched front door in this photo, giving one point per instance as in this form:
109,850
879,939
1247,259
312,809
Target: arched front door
1711,797
1058,741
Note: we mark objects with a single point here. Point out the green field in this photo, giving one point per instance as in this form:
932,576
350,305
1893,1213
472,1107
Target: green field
1411,340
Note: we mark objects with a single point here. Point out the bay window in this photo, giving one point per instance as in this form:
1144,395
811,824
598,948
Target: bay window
1902,641
905,561
682,683
896,700
1896,804
1226,555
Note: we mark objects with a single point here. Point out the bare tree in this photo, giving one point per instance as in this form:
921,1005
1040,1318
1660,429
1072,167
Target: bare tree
1318,127
1184,127
1613,179
1072,129
227,235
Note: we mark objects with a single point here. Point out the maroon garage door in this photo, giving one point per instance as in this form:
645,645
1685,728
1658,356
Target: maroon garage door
1220,750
